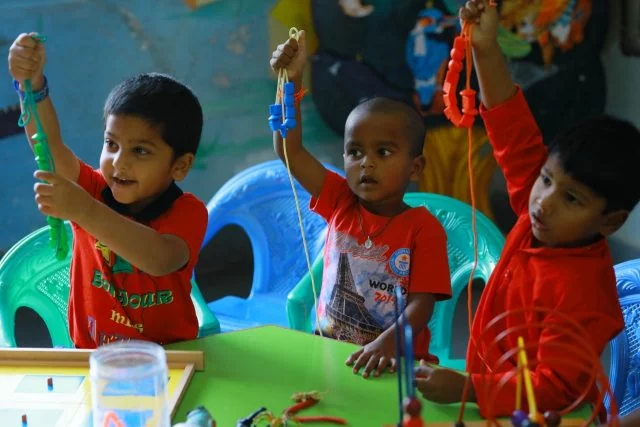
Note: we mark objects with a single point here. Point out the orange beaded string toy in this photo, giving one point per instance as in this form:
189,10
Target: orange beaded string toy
462,51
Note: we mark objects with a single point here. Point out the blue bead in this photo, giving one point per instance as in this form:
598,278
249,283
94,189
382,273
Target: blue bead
290,123
274,125
283,131
289,88
290,112
518,417
275,109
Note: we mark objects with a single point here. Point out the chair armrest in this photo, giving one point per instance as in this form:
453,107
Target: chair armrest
300,300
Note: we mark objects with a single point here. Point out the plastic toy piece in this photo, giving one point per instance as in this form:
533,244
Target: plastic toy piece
50,383
412,409
518,417
24,420
278,121
463,119
248,421
198,417
58,236
552,419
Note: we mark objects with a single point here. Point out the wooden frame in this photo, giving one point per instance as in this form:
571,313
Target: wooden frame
188,361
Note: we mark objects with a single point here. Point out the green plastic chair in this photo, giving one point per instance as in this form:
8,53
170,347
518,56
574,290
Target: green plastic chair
455,217
32,277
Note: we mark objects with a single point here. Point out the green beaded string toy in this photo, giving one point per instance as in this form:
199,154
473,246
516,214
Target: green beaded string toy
57,234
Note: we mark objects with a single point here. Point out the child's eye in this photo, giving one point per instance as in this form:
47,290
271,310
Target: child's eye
353,152
571,198
110,144
545,179
384,152
141,151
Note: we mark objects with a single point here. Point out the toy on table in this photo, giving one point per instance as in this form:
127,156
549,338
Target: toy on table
248,421
583,357
198,417
303,401
57,234
409,406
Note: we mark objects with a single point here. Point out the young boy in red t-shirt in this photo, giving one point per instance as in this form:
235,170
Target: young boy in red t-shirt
136,234
375,242
568,197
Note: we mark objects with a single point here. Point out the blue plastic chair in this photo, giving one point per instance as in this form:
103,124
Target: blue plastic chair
32,277
624,372
261,202
455,217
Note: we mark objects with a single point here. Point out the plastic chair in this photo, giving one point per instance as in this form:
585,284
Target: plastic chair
32,277
261,202
455,217
624,372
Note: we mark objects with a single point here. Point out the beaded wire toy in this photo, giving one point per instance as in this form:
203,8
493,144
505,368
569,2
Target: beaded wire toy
57,233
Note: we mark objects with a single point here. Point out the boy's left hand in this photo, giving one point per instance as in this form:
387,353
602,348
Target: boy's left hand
441,385
375,357
60,198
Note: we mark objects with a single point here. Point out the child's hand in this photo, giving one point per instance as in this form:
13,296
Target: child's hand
441,385
60,198
26,60
291,55
375,356
485,22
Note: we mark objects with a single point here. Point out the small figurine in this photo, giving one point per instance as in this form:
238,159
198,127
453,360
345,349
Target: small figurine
198,417
248,421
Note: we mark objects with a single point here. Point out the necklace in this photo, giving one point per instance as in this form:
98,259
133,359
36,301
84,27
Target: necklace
369,243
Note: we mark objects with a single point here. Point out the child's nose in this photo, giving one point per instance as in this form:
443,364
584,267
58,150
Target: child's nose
367,162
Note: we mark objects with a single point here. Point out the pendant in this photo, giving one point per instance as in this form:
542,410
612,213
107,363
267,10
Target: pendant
368,243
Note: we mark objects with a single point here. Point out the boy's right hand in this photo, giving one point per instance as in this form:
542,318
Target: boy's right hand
485,22
26,60
290,55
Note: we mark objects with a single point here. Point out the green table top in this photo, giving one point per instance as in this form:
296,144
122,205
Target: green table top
264,366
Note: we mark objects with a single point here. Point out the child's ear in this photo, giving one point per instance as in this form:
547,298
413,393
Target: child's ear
181,166
613,221
417,167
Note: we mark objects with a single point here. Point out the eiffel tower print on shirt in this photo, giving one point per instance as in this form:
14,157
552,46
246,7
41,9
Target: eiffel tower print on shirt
349,319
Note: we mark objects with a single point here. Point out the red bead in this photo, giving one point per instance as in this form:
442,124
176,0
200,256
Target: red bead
412,422
466,121
455,66
412,406
453,114
449,98
459,48
450,83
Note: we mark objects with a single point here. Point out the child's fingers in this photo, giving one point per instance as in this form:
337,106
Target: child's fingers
352,358
25,40
383,364
287,49
472,7
373,362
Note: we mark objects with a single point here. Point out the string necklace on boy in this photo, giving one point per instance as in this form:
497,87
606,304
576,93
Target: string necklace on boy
369,243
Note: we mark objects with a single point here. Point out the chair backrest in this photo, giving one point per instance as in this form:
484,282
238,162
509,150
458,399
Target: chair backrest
624,372
260,200
32,277
456,218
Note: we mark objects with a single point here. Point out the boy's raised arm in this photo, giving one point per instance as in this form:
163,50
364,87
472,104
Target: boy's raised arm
304,166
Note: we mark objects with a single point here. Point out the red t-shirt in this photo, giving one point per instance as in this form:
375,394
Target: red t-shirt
578,282
112,300
356,301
